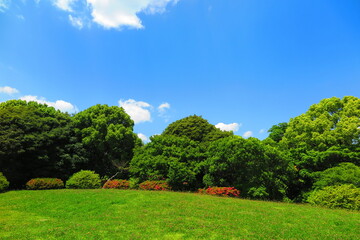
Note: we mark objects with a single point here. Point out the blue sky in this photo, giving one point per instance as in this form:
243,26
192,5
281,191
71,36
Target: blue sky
248,64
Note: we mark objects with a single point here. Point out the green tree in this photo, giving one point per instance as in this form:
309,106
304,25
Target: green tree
276,132
36,141
332,122
176,159
195,128
106,133
256,169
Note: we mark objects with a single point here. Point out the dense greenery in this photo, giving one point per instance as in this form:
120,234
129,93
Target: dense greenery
4,183
341,196
36,141
106,134
256,169
317,149
84,179
126,214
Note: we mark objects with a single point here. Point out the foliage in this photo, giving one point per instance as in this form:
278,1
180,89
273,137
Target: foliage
36,141
84,179
223,191
176,159
276,132
44,183
342,196
344,173
155,185
195,128
4,183
256,169
108,137
117,184
332,122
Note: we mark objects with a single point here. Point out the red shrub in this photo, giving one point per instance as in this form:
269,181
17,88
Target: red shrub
223,191
154,185
44,183
117,184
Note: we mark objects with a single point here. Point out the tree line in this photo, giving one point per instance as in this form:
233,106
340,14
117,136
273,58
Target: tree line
316,149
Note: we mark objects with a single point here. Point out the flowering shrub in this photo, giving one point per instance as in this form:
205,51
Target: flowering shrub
44,183
4,184
154,185
117,184
222,191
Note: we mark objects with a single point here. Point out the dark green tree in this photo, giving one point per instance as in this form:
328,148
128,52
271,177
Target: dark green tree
36,141
106,133
195,128
172,158
276,132
256,169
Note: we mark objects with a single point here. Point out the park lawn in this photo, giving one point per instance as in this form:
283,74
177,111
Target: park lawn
130,214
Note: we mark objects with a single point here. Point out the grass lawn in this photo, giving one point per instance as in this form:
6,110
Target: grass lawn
120,214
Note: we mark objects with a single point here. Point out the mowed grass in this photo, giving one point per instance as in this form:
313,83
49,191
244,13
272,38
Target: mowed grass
121,214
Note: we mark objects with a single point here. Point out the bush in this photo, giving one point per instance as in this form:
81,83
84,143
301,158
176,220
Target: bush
344,173
84,179
343,196
4,184
44,183
223,191
117,184
154,185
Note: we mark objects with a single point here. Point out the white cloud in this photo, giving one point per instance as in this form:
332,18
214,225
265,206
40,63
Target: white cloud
228,127
262,131
143,137
138,111
8,90
76,22
4,5
247,134
59,104
65,4
162,108
116,13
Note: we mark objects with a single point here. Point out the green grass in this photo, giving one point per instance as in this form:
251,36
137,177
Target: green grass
118,214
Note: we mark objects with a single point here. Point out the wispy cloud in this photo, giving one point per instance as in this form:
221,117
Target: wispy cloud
4,5
65,5
247,134
143,137
76,22
228,127
8,90
138,110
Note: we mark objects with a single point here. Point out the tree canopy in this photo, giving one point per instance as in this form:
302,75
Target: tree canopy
36,141
195,128
332,122
106,133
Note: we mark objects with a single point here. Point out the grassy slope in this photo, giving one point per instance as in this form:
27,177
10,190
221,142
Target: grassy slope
117,214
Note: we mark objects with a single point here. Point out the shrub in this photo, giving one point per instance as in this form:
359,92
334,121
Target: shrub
84,179
4,184
342,196
44,183
117,184
154,185
223,191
